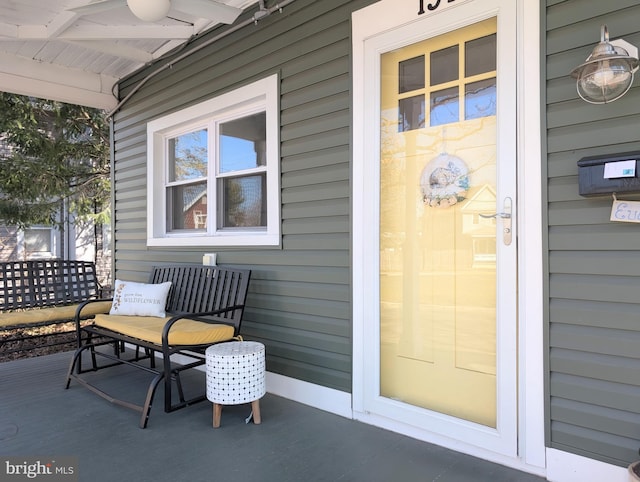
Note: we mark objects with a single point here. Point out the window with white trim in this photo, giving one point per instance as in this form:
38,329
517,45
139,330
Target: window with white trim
213,171
38,242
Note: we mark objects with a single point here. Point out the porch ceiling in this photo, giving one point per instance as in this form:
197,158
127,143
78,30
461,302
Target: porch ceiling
78,56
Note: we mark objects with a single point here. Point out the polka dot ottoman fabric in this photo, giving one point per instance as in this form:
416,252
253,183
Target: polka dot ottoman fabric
235,372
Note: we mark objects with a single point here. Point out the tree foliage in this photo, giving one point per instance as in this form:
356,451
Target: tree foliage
52,153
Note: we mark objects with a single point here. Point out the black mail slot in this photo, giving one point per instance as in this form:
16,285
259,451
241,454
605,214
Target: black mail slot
591,178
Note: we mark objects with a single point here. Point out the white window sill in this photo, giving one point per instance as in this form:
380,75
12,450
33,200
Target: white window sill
229,240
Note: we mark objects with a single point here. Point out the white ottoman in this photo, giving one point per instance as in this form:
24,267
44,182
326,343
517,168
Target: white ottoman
235,375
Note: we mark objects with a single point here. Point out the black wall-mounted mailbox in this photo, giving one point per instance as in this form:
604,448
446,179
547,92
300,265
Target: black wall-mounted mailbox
615,173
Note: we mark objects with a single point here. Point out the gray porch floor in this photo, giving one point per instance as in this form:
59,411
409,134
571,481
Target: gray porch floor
296,443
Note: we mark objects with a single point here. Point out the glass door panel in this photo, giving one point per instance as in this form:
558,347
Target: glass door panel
437,251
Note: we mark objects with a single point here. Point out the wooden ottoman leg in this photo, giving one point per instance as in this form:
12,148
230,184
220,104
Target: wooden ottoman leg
217,413
255,408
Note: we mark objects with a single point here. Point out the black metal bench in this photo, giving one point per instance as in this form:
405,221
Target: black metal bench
37,293
210,295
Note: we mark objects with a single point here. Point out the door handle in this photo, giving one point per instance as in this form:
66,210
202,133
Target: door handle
505,215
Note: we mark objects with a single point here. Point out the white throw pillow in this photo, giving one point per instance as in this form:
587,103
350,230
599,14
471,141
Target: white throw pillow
139,299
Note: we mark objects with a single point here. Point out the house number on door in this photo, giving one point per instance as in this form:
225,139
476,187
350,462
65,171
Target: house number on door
431,6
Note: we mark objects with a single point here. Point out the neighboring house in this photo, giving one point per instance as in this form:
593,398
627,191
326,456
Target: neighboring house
81,241
16,244
401,176
71,239
38,242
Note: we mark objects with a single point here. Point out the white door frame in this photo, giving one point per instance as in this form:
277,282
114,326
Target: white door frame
368,23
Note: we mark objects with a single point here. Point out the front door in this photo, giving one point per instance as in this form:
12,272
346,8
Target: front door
443,270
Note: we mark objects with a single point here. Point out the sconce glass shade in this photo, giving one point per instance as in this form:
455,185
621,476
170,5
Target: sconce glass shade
149,10
607,74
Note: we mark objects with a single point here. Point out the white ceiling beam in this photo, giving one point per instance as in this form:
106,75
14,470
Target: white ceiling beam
203,24
166,47
131,32
31,32
99,7
116,49
8,30
60,23
100,32
62,93
29,77
214,11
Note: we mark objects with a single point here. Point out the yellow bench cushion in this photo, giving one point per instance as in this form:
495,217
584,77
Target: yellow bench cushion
56,313
149,328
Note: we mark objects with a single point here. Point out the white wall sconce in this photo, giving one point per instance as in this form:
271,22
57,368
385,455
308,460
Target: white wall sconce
607,74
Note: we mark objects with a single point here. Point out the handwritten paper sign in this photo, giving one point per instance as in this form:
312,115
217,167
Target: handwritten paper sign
625,211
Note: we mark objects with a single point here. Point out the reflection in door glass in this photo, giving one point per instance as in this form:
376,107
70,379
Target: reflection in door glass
411,74
480,99
445,105
480,55
411,113
444,65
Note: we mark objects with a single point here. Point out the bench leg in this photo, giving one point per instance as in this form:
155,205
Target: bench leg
94,361
179,387
83,345
76,364
146,409
72,365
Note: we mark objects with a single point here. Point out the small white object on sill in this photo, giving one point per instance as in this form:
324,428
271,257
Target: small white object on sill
209,259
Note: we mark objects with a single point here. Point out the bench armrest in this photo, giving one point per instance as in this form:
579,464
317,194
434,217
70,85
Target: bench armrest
82,305
79,313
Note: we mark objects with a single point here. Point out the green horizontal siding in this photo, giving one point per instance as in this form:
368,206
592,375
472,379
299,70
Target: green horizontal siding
299,302
593,332
598,393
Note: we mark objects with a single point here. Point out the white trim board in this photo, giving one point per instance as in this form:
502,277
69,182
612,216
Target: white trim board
316,396
560,466
566,467
368,23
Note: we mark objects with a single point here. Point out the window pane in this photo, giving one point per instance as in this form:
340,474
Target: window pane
444,65
243,143
411,74
188,156
38,240
480,55
411,113
444,106
480,99
244,202
187,207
